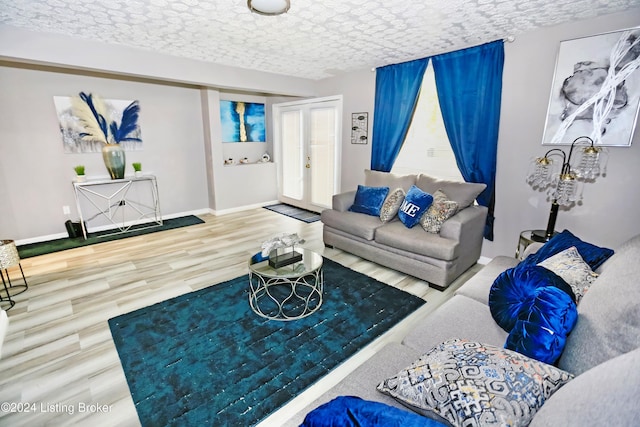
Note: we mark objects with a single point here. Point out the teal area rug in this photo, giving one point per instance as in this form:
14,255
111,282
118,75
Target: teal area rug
41,248
205,359
295,212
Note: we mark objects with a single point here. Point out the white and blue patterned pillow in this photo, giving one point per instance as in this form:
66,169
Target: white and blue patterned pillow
440,210
569,265
392,204
469,383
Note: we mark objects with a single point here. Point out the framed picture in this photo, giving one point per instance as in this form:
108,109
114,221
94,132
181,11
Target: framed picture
242,121
119,120
359,128
591,71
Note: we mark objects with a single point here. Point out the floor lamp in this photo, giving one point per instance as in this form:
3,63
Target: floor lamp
562,185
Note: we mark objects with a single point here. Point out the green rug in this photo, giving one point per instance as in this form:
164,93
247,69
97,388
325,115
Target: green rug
205,359
41,248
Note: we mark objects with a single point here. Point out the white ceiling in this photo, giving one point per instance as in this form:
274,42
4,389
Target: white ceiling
315,39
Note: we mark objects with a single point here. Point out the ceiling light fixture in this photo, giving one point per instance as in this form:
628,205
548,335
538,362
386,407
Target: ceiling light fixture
269,7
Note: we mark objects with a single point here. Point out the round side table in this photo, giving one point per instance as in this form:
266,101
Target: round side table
286,293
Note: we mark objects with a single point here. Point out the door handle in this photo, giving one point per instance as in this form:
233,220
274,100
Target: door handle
307,166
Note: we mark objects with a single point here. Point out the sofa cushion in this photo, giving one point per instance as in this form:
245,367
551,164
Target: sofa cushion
471,383
369,200
354,223
590,253
478,286
440,210
569,265
608,323
392,204
387,179
416,240
415,204
458,317
464,193
606,395
352,411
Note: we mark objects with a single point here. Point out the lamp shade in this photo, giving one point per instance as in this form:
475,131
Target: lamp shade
8,254
269,7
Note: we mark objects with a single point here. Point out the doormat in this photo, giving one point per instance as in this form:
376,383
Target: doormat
295,212
206,359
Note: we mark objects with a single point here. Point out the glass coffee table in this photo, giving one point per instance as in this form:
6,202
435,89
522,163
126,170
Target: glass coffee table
287,293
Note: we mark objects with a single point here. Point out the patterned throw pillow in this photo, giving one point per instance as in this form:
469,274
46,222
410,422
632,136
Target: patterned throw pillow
391,205
440,210
469,383
415,204
569,265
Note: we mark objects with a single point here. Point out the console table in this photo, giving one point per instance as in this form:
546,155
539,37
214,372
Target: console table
122,202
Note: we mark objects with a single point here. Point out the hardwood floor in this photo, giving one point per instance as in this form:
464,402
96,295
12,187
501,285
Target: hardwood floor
59,365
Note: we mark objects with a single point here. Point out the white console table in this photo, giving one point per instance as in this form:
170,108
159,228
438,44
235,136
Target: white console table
124,203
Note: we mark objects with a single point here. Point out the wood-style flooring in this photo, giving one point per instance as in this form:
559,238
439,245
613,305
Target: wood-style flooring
59,366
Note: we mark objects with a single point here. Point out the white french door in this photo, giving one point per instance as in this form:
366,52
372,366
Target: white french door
307,141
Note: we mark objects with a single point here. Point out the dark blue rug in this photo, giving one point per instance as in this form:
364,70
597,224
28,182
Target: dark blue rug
205,359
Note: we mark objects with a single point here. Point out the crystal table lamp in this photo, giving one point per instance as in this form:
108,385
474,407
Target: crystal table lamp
562,186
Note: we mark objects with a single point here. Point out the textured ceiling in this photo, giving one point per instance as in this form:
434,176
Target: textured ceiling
315,39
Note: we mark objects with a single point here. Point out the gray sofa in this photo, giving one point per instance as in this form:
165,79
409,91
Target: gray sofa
602,351
436,258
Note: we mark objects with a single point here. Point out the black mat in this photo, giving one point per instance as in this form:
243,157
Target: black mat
206,359
295,212
41,248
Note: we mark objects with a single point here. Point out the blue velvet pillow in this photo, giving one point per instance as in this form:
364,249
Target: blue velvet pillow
415,204
369,200
351,411
592,254
536,341
514,291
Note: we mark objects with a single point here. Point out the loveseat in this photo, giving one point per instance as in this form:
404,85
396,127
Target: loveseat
595,381
438,256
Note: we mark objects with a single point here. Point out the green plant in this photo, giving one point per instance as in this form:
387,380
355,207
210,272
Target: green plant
137,166
79,169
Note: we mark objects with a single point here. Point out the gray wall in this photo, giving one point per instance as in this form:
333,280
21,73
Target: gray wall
611,206
36,175
182,150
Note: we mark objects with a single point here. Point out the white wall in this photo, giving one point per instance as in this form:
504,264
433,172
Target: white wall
611,207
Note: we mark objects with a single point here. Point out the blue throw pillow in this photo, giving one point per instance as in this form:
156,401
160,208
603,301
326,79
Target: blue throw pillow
369,200
514,291
541,333
415,204
591,254
351,411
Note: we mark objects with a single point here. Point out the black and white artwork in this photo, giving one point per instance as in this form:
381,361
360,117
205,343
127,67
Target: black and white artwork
359,128
595,90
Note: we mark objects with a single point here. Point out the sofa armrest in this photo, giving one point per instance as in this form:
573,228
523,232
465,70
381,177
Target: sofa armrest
343,201
465,226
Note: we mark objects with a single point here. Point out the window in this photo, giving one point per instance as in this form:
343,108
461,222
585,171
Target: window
426,148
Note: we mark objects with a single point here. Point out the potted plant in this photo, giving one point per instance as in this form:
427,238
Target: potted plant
137,167
80,173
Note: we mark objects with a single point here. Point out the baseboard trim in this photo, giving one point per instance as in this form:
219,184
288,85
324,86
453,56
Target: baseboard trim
243,208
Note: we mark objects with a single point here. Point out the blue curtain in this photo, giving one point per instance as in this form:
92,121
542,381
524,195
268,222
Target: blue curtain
397,88
469,85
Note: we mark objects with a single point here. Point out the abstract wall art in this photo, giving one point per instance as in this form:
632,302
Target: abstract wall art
595,90
242,121
88,122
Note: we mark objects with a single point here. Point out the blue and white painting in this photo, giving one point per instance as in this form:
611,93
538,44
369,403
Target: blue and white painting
88,122
242,121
